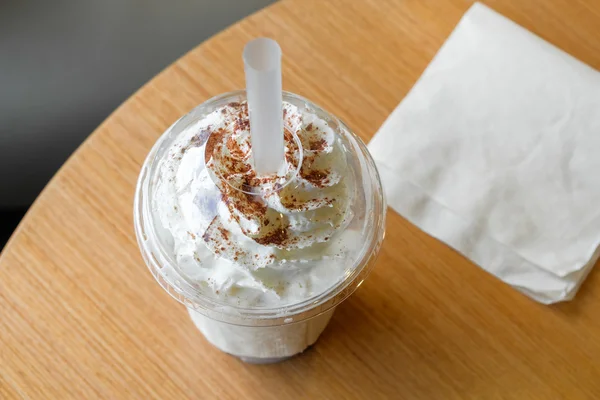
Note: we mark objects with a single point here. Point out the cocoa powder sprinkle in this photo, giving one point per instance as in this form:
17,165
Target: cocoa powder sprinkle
317,145
214,139
227,155
316,177
224,233
277,237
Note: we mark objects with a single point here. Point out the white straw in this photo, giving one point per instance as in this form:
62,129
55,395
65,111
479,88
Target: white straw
262,64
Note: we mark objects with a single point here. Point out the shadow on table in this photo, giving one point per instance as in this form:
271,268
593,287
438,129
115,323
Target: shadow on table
440,350
574,308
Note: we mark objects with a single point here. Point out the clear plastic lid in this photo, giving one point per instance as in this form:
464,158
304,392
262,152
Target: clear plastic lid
259,250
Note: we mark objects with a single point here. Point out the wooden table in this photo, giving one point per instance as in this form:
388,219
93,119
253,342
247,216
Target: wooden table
82,318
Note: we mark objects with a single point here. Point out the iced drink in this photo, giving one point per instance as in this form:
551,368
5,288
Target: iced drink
260,261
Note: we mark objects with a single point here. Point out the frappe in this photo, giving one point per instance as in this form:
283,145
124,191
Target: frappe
260,261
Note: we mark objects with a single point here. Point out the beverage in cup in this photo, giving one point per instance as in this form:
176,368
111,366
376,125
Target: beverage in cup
259,251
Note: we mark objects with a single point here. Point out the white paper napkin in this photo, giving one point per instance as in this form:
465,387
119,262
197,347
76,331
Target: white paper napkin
496,151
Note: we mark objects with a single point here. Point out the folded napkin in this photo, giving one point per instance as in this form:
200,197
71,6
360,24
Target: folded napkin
496,151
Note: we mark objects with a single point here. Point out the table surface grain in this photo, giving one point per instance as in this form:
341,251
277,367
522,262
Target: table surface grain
82,318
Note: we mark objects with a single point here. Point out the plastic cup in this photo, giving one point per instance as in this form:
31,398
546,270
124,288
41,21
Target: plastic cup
274,333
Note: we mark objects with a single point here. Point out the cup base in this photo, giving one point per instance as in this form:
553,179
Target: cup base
261,344
257,360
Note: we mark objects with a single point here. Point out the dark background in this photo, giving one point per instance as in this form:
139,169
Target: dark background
65,65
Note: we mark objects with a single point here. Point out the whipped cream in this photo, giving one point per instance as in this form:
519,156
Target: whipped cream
257,240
